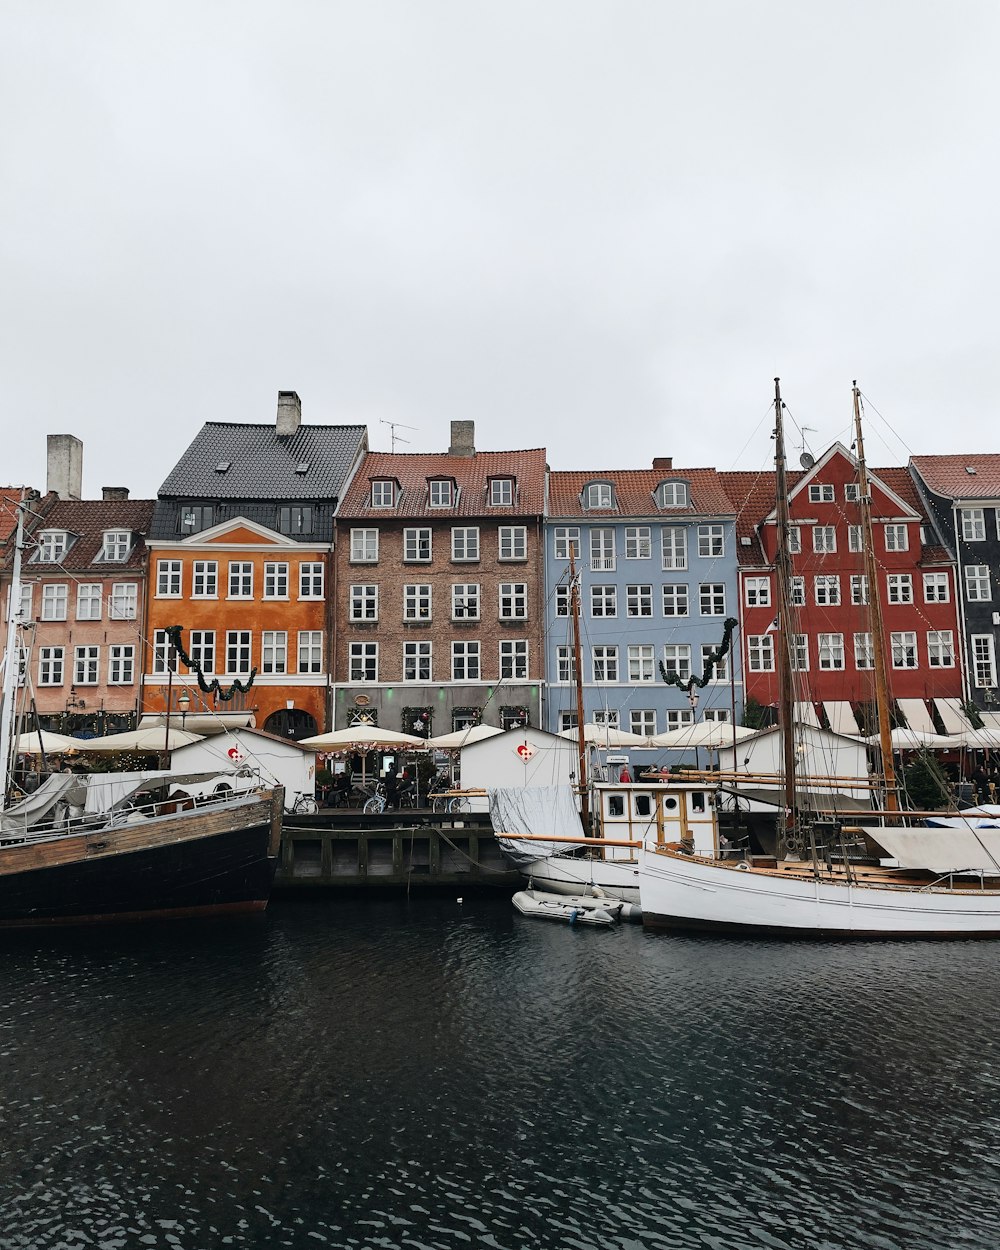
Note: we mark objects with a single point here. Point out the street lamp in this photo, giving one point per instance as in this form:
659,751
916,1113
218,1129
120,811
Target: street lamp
183,702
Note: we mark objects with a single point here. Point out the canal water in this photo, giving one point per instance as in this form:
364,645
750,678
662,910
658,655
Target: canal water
438,1073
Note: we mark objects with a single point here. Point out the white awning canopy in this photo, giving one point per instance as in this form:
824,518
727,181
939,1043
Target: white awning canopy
942,850
805,714
842,719
952,717
917,715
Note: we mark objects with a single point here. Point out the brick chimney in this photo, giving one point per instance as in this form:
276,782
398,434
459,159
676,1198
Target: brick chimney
663,463
289,414
114,492
463,438
64,466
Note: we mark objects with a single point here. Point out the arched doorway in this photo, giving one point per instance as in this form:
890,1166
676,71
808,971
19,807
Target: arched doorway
291,722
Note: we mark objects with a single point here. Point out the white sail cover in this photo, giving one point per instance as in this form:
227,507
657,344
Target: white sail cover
547,810
942,850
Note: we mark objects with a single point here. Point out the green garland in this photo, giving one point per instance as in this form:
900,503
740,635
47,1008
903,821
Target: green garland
214,686
701,682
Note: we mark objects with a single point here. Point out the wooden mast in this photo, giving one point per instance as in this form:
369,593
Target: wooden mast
12,661
581,738
875,613
783,633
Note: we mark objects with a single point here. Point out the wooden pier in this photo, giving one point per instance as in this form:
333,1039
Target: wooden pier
408,849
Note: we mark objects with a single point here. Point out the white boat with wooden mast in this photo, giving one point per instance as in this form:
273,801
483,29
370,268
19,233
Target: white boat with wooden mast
913,882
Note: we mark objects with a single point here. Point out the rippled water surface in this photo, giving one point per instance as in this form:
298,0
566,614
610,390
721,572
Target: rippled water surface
436,1074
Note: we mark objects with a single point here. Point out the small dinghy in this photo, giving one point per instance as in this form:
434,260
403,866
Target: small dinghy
572,909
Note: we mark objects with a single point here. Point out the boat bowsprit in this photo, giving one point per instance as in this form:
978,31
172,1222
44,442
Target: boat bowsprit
574,909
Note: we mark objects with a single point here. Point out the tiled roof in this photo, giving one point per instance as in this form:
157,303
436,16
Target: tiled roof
948,475
10,497
634,491
262,465
471,474
88,519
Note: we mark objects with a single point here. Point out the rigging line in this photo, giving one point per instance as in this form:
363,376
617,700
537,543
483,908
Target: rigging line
899,437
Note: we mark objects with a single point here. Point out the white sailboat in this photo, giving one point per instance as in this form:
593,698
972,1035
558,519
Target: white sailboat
913,882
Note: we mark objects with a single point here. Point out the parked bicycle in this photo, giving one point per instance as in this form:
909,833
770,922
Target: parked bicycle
303,804
376,801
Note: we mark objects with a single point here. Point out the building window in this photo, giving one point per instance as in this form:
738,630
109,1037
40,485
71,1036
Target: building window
311,580
567,720
416,546
295,519
513,601
565,664
164,655
718,714
679,718
824,539
904,649
859,589
673,495
121,664
639,600
465,601
86,666
673,547
720,671
640,663
604,601
800,653
54,601
501,492
417,661
274,651
202,650
900,587
168,579
417,601
831,651
513,542
194,518
465,543
117,544
598,495
757,592
864,654
827,590
977,583
311,652
514,659
275,580
675,599
940,649
973,522
364,603
364,546
677,660
566,538
240,579
605,663
562,601
465,661
88,601
602,550
936,588
205,579
238,651
638,542
711,541
363,660
124,601
440,493
852,492
794,540
642,721
854,538
606,716
712,599
797,590
760,652
51,661
52,546
896,538
822,493
984,664
383,493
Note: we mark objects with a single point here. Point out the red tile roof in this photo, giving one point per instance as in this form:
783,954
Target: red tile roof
471,474
88,519
948,475
10,497
634,491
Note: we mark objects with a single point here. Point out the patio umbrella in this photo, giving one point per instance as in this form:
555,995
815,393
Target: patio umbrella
51,743
915,740
606,736
363,738
150,741
459,738
707,733
979,739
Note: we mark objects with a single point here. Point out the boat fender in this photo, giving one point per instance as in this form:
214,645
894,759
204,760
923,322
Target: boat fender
743,866
604,916
630,911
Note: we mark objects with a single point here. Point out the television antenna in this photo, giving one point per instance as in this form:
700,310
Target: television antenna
393,427
806,458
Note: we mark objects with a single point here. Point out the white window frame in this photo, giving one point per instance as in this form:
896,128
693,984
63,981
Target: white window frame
638,542
417,601
903,646
896,538
440,492
826,589
677,659
168,579
642,721
86,665
604,664
603,557
712,599
362,662
312,579
599,495
565,665
604,600
276,579
678,596
364,546
978,583
984,661
364,601
760,653
55,601
52,546
513,601
940,648
513,542
418,545
466,601
711,542
514,659
89,601
124,605
639,599
821,492
674,547
201,650
309,651
824,539
501,492
116,546
383,493
935,583
859,589
973,524
641,659
864,653
466,661
240,580
121,664
464,543
51,666
830,653
899,588
566,538
239,652
757,592
418,660
274,651
205,579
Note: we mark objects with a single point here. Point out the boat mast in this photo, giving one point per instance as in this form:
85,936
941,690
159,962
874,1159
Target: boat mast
12,660
581,738
783,634
875,613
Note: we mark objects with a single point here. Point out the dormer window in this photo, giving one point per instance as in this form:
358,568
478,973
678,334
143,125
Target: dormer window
501,492
383,492
52,546
672,495
117,545
197,517
441,492
598,495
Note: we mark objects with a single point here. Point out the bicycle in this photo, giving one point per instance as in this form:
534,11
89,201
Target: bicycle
376,802
303,804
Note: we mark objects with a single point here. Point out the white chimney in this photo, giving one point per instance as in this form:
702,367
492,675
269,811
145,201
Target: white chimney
64,467
289,414
463,438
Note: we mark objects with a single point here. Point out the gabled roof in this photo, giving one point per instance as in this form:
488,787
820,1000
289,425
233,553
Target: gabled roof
263,466
471,474
949,475
10,497
88,519
635,493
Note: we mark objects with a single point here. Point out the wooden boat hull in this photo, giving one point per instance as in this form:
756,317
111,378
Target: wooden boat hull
688,892
192,863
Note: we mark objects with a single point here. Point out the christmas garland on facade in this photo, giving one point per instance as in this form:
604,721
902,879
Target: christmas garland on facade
214,686
710,663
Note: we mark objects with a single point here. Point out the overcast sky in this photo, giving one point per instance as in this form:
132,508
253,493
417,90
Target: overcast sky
598,227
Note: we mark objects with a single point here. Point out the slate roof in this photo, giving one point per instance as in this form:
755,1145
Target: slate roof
947,475
634,493
471,474
262,465
88,519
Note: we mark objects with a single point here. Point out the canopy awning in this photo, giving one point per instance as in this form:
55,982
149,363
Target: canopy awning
842,720
917,715
805,714
942,850
953,718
